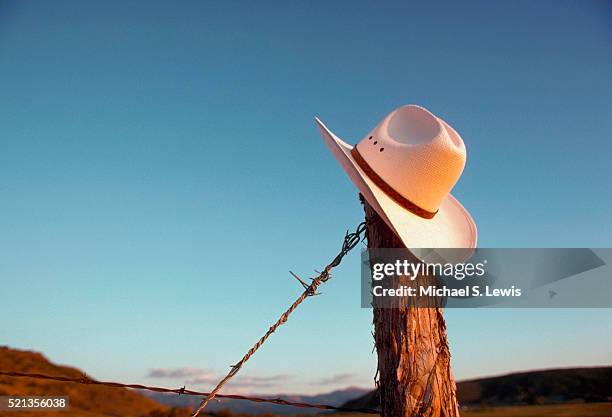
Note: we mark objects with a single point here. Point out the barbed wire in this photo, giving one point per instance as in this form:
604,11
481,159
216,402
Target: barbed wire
350,241
183,391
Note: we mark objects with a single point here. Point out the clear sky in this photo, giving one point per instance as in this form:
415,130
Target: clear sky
160,172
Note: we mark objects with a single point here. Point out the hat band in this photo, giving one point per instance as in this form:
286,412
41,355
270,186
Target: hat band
388,190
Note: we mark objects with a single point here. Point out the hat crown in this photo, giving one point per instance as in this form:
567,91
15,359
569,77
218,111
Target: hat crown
417,154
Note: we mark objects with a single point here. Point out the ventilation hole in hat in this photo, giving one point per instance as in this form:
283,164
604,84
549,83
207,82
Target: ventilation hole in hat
375,142
382,149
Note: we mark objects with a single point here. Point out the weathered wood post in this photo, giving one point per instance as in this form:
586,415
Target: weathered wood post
414,375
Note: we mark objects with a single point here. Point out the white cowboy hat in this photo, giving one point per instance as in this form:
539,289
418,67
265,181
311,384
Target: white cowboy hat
405,168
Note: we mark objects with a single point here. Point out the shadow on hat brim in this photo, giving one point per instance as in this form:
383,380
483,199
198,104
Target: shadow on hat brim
451,227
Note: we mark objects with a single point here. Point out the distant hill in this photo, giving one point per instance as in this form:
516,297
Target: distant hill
101,401
535,387
85,400
335,398
551,386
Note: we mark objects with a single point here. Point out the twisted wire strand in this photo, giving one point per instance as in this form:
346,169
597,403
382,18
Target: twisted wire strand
88,381
350,241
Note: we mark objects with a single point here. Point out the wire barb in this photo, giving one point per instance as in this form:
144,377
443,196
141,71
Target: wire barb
299,279
350,241
306,286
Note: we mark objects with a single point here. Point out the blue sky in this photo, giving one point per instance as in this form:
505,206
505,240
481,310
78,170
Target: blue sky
161,172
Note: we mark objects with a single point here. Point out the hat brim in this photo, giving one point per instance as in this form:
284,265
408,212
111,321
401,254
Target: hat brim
451,227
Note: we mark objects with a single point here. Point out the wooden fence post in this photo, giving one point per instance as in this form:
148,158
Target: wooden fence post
414,376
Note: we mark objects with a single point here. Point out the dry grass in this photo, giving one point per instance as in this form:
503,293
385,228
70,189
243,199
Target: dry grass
558,410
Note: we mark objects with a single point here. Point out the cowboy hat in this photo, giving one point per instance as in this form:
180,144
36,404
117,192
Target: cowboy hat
405,168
